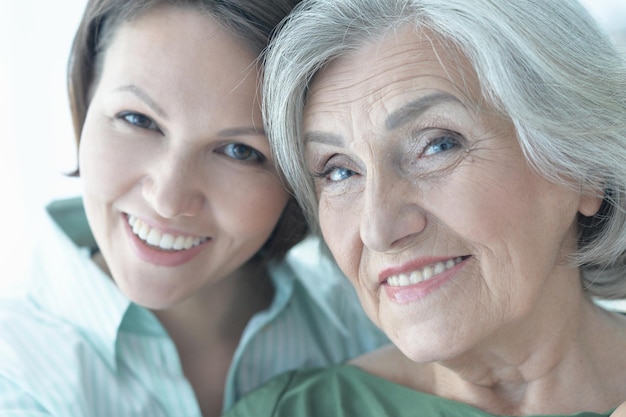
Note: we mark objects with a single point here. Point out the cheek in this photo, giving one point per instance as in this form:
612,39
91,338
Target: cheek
487,200
526,211
330,226
272,203
339,224
257,206
104,162
516,227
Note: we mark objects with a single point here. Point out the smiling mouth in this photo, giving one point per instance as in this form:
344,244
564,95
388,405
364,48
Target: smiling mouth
423,274
163,241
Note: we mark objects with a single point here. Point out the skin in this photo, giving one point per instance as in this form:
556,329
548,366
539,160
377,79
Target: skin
174,137
413,168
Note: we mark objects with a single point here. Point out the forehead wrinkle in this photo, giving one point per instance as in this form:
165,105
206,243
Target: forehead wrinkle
365,78
340,85
325,138
416,108
340,76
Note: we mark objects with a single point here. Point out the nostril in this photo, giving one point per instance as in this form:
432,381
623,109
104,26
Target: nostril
392,225
171,203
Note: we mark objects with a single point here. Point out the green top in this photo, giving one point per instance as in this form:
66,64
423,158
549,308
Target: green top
347,391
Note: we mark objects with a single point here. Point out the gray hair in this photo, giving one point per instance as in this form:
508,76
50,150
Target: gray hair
544,64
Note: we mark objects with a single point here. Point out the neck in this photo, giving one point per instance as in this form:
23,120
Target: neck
553,364
220,311
563,356
206,329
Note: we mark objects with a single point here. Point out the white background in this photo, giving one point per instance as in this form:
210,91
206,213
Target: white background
37,139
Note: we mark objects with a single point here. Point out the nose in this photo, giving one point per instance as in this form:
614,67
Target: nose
391,217
173,187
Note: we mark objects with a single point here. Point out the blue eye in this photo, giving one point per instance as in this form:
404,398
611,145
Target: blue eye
441,144
335,174
338,174
139,120
242,152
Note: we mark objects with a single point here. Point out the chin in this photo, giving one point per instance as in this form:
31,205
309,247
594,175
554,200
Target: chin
423,349
152,297
153,303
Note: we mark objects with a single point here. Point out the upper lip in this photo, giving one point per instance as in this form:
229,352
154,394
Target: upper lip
413,265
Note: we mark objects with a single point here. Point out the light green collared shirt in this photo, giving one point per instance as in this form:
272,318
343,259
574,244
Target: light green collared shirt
72,345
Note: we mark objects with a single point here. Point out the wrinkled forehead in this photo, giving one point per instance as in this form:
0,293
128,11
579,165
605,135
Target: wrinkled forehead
388,72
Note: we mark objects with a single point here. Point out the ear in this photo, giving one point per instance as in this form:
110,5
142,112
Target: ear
590,202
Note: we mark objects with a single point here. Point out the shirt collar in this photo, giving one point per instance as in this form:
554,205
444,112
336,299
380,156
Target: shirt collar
321,280
67,284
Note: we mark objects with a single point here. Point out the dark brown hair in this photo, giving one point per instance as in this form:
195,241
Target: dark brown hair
252,21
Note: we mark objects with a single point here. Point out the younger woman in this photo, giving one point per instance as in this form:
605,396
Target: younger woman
189,305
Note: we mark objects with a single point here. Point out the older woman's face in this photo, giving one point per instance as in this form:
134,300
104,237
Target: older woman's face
427,202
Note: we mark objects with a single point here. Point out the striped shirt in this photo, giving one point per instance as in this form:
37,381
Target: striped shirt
72,345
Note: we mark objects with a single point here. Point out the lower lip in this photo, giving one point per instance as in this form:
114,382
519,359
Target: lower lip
160,257
416,292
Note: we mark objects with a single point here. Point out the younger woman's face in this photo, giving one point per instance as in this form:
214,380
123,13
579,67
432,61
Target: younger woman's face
179,185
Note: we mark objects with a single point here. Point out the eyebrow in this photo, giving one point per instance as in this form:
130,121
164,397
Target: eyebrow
143,96
240,131
236,131
396,119
324,138
414,109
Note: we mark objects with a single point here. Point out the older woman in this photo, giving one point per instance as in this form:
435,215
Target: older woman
466,160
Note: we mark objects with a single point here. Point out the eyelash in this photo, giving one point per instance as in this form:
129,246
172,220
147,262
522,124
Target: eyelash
442,137
439,139
256,157
131,117
126,117
329,170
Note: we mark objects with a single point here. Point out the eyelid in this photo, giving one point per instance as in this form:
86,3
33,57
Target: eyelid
447,136
122,116
260,157
318,163
422,138
333,169
331,162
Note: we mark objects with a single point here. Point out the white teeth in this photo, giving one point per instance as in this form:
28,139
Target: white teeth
179,243
167,241
142,230
404,279
164,241
428,272
154,237
415,277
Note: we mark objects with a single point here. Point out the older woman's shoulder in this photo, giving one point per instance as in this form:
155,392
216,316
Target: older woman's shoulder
351,390
620,411
340,390
343,391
